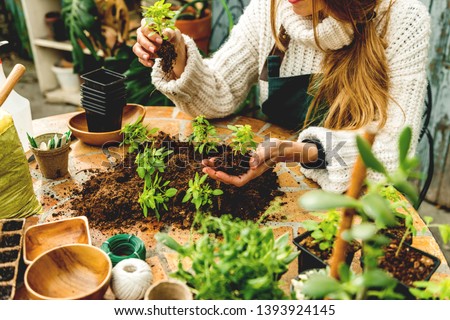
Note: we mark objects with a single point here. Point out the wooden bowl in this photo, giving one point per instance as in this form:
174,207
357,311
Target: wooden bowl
74,271
78,125
43,237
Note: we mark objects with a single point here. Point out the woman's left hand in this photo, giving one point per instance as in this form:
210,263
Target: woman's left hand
264,158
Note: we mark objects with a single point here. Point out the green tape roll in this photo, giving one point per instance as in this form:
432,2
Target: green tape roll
124,246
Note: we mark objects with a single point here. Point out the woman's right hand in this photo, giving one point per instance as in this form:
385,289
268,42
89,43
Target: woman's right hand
148,43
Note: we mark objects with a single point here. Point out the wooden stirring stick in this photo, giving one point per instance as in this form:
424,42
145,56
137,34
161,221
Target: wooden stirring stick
11,81
340,245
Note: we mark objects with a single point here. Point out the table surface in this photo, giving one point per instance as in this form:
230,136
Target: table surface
55,194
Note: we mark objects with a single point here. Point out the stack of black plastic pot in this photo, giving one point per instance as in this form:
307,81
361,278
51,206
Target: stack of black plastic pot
103,97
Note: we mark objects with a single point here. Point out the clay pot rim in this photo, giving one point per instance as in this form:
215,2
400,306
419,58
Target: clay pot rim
169,281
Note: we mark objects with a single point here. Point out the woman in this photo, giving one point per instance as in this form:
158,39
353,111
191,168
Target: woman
336,67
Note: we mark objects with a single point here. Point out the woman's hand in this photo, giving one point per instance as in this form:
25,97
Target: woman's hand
148,43
265,157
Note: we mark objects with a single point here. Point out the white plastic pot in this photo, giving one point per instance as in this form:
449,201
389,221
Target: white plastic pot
67,80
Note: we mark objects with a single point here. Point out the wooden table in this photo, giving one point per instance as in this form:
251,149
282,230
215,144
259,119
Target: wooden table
55,194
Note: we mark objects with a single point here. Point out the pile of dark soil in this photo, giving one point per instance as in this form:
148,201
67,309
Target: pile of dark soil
110,199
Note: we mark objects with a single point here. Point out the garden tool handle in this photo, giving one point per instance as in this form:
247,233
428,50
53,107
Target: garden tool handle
11,81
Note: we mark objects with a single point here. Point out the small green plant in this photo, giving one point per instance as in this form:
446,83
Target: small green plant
200,193
204,136
52,143
324,232
155,196
151,160
136,134
238,260
432,290
159,17
243,139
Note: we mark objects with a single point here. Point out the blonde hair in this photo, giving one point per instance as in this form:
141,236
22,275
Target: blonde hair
352,89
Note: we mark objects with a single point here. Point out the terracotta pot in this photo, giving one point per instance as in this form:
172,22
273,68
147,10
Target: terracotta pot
52,163
168,290
198,29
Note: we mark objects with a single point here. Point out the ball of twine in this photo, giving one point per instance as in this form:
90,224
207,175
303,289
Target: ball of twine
130,279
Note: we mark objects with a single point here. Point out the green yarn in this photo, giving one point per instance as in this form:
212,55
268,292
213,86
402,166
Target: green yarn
124,246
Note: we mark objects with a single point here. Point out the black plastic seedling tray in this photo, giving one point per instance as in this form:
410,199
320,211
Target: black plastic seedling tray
11,238
103,80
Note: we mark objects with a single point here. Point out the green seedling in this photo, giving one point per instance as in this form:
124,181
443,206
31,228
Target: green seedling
151,160
324,232
238,260
159,17
243,139
200,193
429,290
156,195
204,136
136,134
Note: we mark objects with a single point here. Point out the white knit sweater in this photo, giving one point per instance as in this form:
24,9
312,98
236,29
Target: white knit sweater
216,86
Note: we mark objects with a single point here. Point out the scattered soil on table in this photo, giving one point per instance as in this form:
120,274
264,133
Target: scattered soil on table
8,256
6,273
325,255
410,265
110,199
5,292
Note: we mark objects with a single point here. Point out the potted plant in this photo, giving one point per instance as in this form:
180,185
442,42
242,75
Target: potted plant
376,214
316,243
233,259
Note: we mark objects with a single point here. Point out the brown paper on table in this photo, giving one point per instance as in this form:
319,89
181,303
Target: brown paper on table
17,198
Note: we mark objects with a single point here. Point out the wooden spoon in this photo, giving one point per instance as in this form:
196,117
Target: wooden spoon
11,81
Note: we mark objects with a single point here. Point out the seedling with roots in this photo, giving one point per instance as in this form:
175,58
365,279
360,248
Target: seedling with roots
200,193
243,139
204,136
158,18
156,195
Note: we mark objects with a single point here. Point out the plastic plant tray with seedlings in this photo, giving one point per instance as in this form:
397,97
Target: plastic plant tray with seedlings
11,236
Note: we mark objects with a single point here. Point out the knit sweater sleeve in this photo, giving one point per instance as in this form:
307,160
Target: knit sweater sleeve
216,86
408,38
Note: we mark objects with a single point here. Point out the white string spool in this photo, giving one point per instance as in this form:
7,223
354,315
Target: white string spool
130,279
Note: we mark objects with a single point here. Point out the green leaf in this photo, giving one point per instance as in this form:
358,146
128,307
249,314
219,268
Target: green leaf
444,230
363,231
186,197
319,286
377,278
217,192
171,192
368,157
408,190
321,200
378,209
169,242
32,141
404,145
428,220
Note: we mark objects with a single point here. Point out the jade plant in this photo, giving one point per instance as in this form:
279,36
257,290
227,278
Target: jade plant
242,139
200,193
376,213
155,196
233,259
136,134
204,136
151,160
159,17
